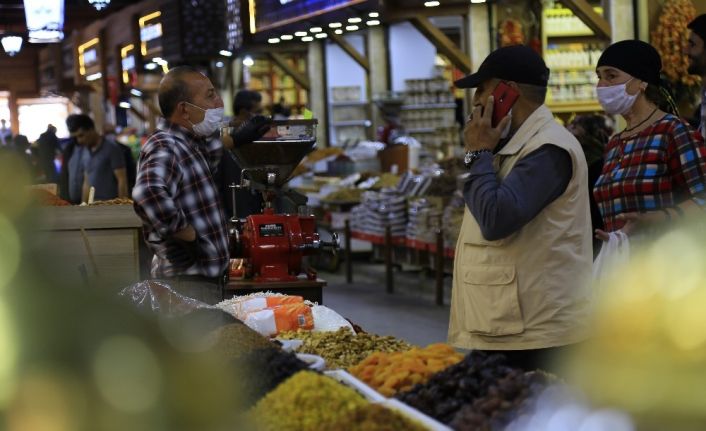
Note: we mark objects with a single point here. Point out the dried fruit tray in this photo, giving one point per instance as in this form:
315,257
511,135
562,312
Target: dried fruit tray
373,396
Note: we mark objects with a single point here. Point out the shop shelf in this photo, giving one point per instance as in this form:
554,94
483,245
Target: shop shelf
364,123
351,103
422,130
429,106
577,106
572,68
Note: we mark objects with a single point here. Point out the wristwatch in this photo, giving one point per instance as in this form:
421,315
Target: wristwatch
472,156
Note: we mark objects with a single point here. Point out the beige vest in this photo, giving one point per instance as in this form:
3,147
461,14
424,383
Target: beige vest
531,289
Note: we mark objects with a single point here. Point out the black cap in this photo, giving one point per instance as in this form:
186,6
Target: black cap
634,57
516,63
698,26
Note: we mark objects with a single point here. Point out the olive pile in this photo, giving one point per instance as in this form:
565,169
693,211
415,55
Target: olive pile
506,399
457,386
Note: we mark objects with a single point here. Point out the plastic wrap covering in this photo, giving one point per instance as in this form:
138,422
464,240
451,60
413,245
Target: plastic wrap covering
159,297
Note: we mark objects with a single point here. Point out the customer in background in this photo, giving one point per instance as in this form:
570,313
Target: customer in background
523,257
653,172
71,174
109,133
246,105
47,148
697,65
102,161
592,132
175,194
5,134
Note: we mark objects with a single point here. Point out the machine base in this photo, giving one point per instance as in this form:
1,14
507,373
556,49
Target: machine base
308,289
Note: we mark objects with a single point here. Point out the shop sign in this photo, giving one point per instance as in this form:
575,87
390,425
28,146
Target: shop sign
151,32
269,14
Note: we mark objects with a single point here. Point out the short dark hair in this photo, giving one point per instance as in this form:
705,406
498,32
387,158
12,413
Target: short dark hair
245,99
174,89
74,122
533,93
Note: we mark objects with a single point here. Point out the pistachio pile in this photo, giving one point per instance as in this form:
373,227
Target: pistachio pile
343,348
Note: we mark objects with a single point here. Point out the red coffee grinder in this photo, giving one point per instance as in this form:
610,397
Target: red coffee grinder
273,245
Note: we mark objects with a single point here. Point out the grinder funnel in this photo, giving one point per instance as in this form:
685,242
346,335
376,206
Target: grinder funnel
272,159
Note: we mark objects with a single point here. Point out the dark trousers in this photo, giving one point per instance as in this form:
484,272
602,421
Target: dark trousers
548,359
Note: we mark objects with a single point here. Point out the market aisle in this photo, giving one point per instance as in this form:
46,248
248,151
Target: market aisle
409,313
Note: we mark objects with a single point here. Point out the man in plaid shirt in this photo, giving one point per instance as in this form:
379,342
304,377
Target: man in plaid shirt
175,194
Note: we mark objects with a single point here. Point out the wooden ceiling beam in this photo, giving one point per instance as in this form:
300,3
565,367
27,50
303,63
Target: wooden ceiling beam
298,76
397,14
350,50
442,42
598,24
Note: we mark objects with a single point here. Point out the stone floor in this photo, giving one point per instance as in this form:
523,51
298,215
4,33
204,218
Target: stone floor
409,313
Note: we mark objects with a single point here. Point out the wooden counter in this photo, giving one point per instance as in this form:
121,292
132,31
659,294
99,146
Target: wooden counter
110,232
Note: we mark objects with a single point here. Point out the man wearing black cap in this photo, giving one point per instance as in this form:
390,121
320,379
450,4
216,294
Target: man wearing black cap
523,257
697,63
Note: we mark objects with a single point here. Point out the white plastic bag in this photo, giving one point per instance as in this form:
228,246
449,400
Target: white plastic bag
614,255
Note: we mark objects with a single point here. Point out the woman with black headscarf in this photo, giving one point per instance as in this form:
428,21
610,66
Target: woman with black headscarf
655,169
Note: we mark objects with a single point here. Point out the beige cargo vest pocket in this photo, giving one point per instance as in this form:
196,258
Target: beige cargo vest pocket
490,300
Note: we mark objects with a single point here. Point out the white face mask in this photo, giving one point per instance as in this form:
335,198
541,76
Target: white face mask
210,123
615,99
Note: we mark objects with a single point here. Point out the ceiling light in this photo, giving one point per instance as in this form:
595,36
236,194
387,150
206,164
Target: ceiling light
307,39
286,37
11,44
354,20
477,1
225,53
45,20
351,27
433,3
99,4
316,30
335,25
373,22
338,31
157,60
374,14
321,36
124,105
248,61
135,92
219,64
300,33
94,76
151,66
273,40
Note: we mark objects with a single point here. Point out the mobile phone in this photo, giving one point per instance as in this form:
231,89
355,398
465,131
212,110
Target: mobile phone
505,96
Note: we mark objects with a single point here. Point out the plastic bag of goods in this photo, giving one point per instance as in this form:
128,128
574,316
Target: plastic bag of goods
240,306
327,320
287,317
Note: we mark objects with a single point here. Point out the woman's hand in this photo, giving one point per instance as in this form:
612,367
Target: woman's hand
636,222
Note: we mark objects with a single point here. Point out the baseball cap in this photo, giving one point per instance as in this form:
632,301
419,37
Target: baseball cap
518,63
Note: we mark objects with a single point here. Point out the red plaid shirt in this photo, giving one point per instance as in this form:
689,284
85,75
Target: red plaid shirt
659,167
174,189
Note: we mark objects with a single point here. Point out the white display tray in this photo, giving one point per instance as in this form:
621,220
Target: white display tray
375,397
347,379
414,414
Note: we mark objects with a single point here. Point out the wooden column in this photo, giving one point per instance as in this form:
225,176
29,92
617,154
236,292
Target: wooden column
379,67
316,71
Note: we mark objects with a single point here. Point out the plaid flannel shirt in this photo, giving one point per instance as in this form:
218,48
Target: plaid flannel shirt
174,189
658,168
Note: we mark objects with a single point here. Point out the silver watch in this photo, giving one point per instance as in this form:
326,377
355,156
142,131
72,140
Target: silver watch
472,156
